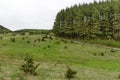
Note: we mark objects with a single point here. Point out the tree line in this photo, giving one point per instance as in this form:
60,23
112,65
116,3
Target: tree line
89,21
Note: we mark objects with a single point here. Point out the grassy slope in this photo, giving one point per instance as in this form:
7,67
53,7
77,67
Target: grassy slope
111,43
55,59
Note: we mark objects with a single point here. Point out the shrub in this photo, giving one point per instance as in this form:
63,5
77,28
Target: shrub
12,39
49,46
4,44
50,37
29,67
1,37
65,41
23,38
70,73
13,34
57,42
119,76
44,47
102,54
43,39
65,47
112,50
94,54
34,45
28,41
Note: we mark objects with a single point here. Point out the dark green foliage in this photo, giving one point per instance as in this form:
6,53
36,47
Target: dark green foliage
117,37
94,54
12,39
43,39
4,44
102,54
23,38
49,46
50,37
4,30
13,34
1,38
44,47
65,47
28,67
70,73
57,42
33,31
34,45
89,21
65,41
22,33
28,41
119,76
112,50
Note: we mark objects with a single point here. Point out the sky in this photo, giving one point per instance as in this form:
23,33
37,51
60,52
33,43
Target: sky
32,14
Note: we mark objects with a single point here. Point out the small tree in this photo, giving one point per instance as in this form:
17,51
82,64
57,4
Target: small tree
28,41
12,39
70,73
29,67
102,54
1,37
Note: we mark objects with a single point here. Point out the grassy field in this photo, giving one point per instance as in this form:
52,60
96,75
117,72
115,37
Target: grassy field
91,61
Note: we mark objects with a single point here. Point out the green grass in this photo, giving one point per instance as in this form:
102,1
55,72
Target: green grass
111,43
55,59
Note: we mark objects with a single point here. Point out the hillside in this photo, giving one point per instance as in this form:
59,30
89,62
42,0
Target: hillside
4,30
32,31
92,62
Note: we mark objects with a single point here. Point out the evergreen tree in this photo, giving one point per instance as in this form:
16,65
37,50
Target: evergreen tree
87,21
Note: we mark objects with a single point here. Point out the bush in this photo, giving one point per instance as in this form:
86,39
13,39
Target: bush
43,39
4,44
119,76
70,74
13,34
102,54
57,42
28,41
65,47
112,50
49,46
29,67
94,54
12,39
23,38
50,37
1,37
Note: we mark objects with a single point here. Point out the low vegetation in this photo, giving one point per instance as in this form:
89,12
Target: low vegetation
28,67
86,60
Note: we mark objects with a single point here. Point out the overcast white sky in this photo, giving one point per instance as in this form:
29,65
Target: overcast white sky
32,14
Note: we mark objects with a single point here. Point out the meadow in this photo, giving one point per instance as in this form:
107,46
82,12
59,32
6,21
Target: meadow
90,61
